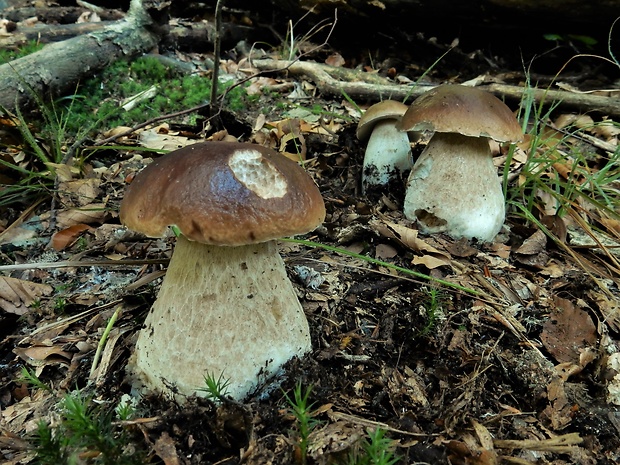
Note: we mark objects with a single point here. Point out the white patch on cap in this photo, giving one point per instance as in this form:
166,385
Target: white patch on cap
257,174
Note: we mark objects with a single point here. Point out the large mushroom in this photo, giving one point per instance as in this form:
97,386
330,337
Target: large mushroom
454,187
226,306
388,153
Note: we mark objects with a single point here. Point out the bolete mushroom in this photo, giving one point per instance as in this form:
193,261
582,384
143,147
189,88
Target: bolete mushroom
226,306
388,153
454,187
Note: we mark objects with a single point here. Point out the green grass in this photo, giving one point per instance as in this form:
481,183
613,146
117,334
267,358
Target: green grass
562,174
301,409
376,449
215,388
433,306
85,432
30,378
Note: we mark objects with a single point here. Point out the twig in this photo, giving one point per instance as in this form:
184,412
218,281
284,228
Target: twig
217,45
560,444
71,263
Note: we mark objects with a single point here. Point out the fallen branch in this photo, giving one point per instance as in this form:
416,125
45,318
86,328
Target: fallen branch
48,33
59,14
58,67
361,85
563,444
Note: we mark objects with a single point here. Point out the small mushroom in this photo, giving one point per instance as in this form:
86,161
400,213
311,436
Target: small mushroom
388,153
226,306
454,187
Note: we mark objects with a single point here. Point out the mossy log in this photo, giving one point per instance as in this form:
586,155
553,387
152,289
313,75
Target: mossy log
58,67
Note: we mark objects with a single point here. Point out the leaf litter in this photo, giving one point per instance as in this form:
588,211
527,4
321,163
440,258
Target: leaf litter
517,363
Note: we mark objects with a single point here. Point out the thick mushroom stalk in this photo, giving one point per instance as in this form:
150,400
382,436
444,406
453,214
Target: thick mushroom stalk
452,167
228,311
388,153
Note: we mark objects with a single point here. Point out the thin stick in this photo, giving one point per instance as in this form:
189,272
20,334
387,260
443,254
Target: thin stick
217,45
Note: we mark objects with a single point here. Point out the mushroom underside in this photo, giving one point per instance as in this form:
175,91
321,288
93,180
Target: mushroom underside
454,188
229,311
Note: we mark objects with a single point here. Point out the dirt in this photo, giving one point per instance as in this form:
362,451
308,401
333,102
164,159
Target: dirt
450,375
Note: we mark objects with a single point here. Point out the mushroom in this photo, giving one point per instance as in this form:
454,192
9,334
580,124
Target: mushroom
388,152
226,306
453,187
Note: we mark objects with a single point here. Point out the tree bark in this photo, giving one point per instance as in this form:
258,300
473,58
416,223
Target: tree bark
58,67
47,33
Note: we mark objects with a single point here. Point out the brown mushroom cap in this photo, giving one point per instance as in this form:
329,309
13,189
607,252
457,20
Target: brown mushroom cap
387,109
465,110
223,193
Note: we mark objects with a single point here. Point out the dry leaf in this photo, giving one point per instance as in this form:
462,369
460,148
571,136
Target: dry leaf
93,213
16,294
568,332
335,59
79,192
406,236
155,140
166,450
43,355
385,251
534,244
65,237
430,261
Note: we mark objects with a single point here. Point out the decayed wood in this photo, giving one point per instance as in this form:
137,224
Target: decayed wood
59,14
361,85
58,67
47,33
193,36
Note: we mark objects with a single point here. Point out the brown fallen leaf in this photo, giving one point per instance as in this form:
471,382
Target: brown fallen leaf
610,309
408,237
335,59
79,192
429,261
16,295
166,450
568,331
43,355
385,251
93,213
533,251
62,239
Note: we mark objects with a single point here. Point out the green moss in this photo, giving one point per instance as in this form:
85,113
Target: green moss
101,97
27,49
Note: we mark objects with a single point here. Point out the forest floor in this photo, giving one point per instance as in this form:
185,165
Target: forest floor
518,362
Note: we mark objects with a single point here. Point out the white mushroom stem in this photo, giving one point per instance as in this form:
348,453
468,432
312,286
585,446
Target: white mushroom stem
228,311
454,188
387,155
